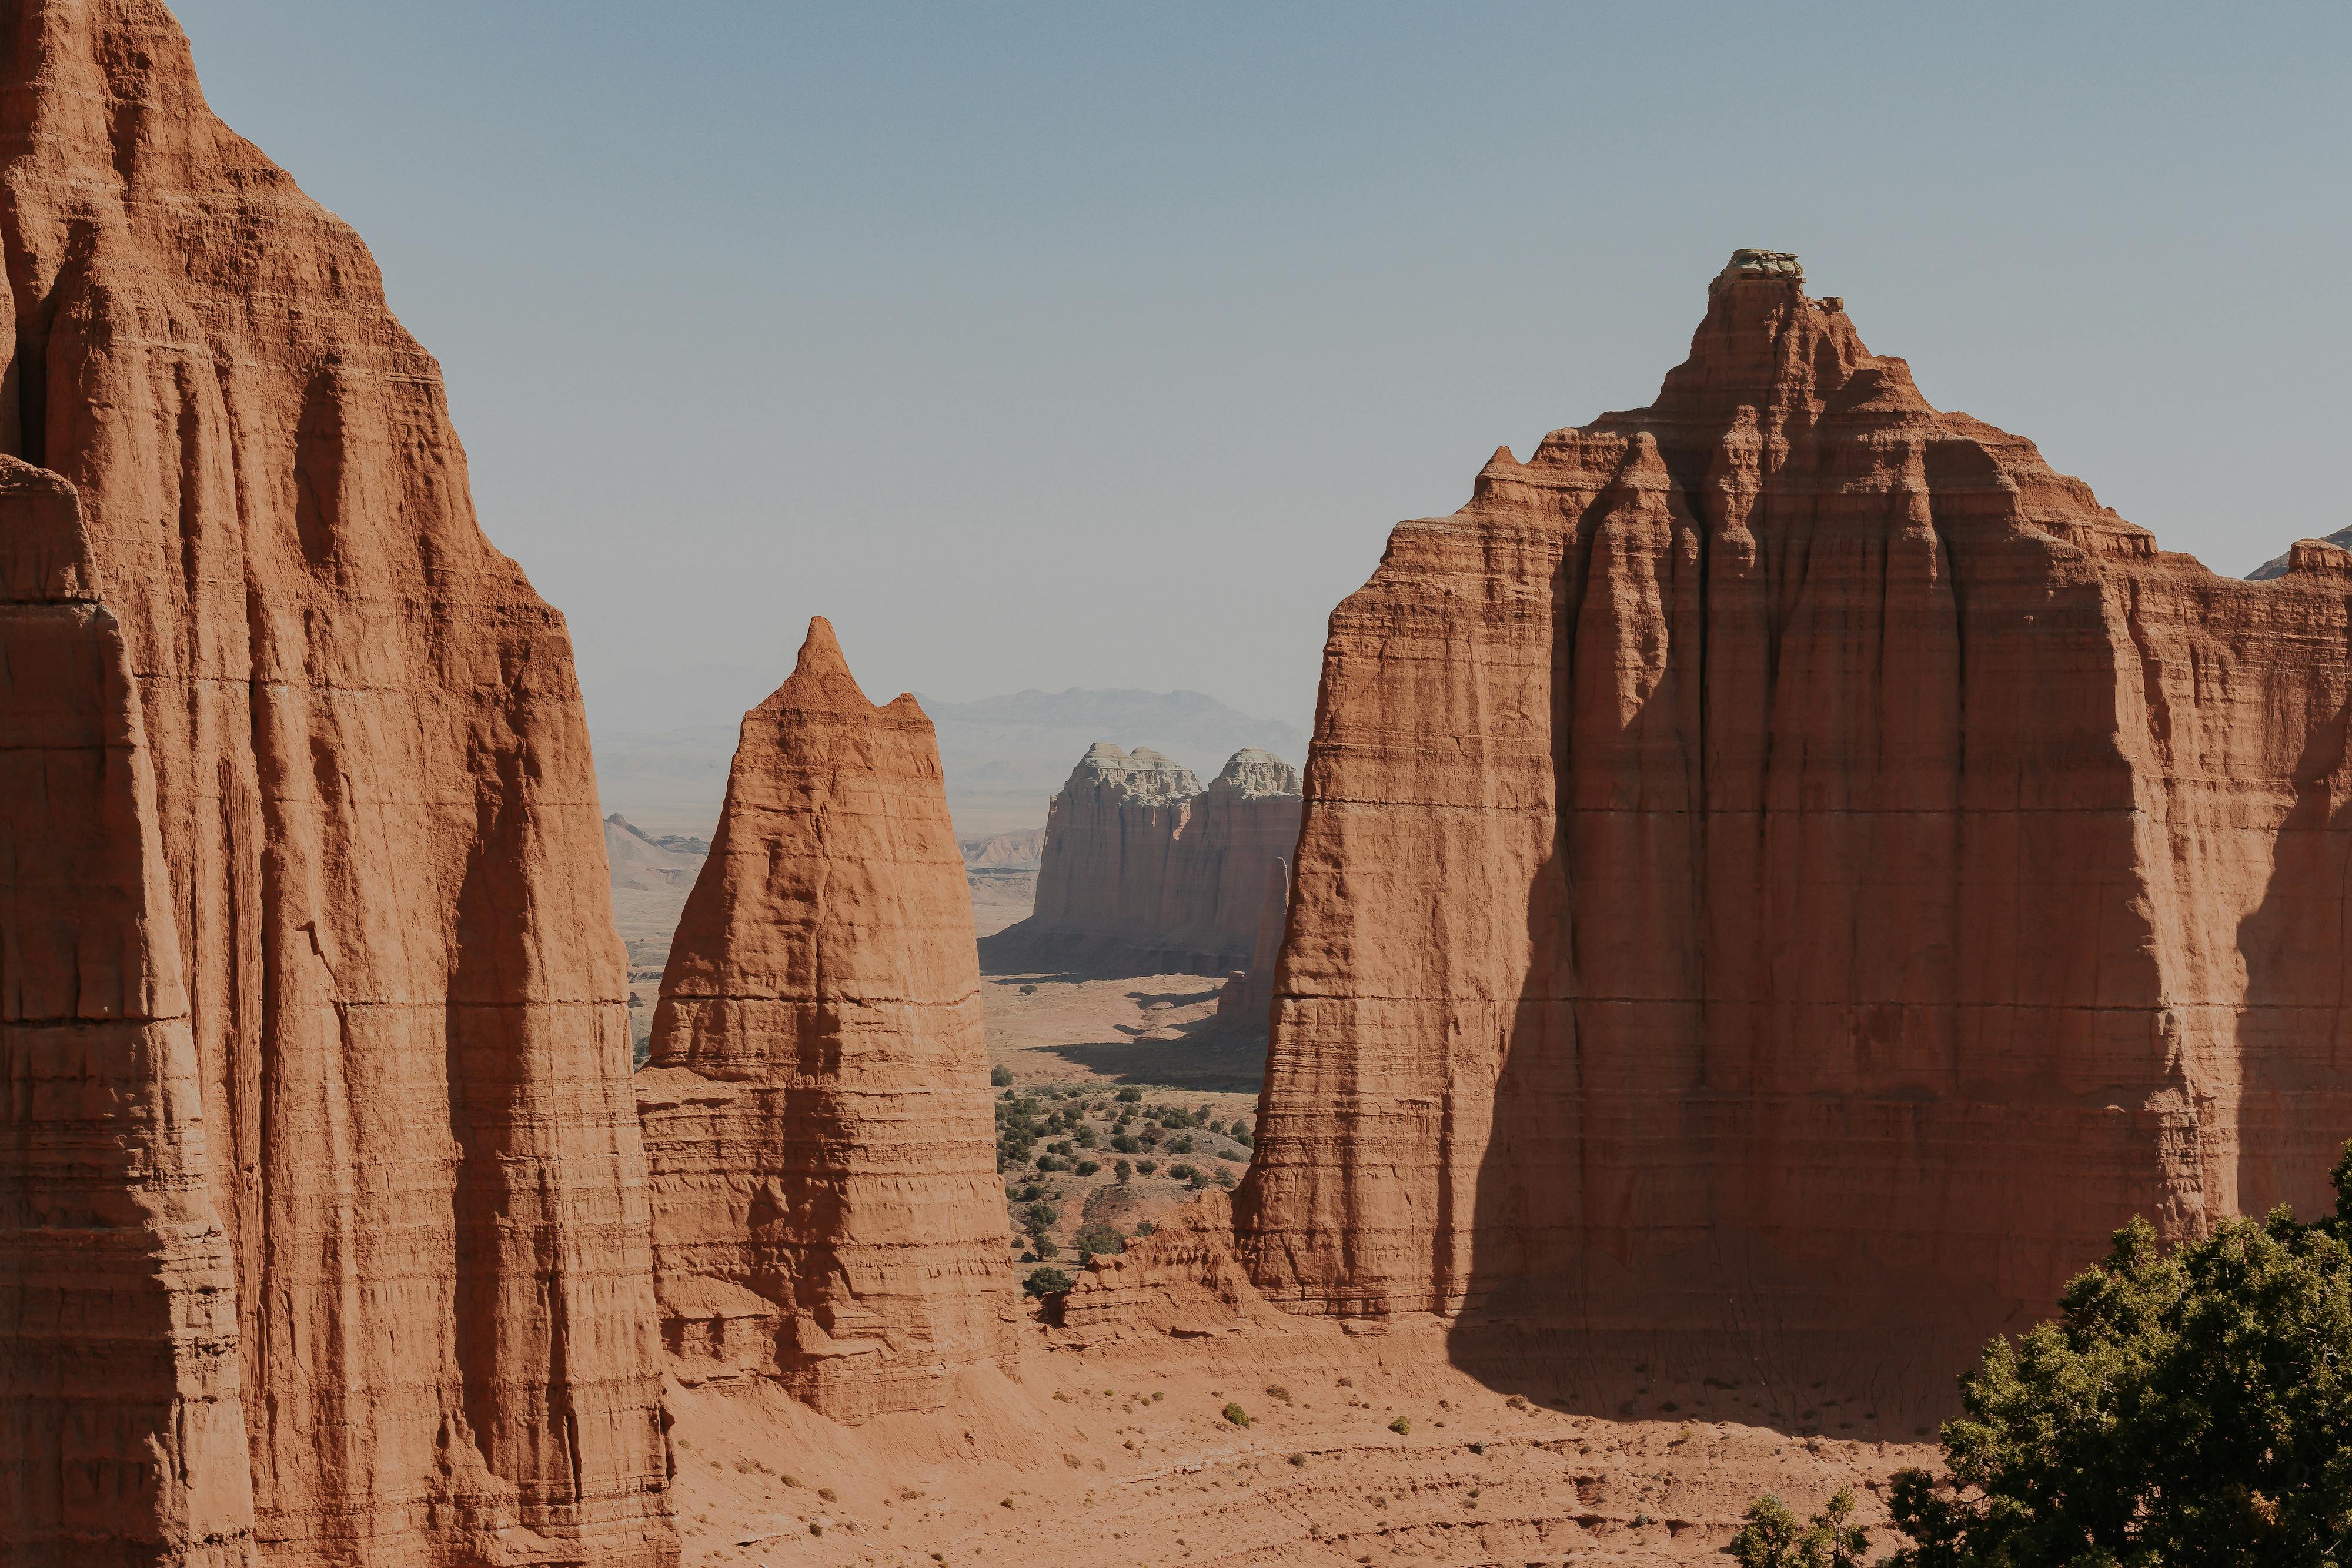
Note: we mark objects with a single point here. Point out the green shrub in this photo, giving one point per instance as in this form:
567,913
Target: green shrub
1029,990
1123,1171
1087,1167
1236,1415
1147,1167
1047,1283
1128,1096
2187,1406
1401,1427
1000,1075
1052,1163
1773,1539
1181,1172
1039,1217
1097,1238
1145,1228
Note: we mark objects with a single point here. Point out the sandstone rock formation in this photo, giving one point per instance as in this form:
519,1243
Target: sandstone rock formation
1784,873
1182,1279
2279,565
323,1232
1247,1001
1144,872
826,1208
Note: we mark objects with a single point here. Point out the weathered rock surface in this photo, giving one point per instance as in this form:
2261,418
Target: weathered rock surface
1784,873
323,1232
1144,872
827,1207
1182,1279
1246,1003
2280,565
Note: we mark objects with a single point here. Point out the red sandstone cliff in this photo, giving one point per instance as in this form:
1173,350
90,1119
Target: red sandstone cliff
1246,1004
1784,872
325,1233
1144,872
827,1207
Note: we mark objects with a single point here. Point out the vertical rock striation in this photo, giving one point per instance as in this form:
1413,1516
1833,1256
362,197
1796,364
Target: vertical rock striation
1144,872
322,1176
1785,873
1246,1004
826,1208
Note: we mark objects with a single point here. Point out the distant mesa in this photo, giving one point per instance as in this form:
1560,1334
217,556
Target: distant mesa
637,859
1146,872
1006,756
1021,851
2278,566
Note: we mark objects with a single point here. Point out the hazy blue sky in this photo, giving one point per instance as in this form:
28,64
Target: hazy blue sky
1101,346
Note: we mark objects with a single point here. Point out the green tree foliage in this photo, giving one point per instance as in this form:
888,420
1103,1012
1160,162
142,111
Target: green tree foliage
2186,1407
1000,1075
1047,1283
1772,1538
1097,1238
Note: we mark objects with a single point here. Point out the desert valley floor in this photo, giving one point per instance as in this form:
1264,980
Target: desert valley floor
1118,1449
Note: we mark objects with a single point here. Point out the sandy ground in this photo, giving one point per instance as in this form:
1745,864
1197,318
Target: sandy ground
1121,1454
999,898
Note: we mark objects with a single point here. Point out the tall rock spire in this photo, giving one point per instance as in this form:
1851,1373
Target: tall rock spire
385,1146
826,1208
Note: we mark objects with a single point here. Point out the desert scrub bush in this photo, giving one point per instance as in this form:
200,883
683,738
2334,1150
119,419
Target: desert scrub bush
1029,990
1276,1391
1298,1459
1147,1167
1052,1163
1047,1283
1772,1538
1097,1238
1000,1076
1128,1096
2189,1405
1123,1171
1401,1427
1087,1167
1180,1171
1236,1415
